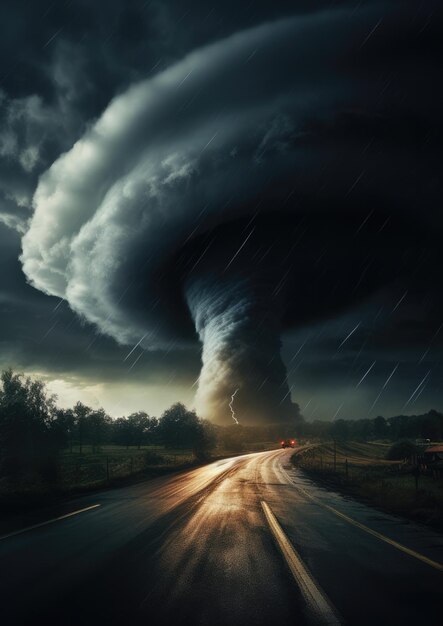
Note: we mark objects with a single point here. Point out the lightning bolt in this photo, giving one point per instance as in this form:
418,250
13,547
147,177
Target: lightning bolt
230,406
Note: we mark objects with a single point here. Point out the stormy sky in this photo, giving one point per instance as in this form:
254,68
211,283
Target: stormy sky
197,199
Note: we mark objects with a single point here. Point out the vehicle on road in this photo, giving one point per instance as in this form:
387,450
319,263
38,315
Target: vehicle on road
288,443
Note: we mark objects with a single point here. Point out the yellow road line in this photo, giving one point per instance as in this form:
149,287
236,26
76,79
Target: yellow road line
314,597
49,521
374,533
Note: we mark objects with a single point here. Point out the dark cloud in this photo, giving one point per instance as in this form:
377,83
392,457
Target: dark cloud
258,172
41,334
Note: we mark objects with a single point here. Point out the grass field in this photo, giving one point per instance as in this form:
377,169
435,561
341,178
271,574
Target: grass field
88,450
362,470
357,454
91,469
106,466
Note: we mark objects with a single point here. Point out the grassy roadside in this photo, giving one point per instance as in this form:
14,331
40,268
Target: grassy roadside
74,472
34,503
91,470
19,510
361,470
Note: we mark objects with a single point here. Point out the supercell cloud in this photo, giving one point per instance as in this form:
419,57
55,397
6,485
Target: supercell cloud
225,199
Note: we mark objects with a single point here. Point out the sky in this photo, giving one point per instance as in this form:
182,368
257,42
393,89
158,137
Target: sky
241,199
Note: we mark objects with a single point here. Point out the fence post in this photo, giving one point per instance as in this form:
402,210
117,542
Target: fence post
107,468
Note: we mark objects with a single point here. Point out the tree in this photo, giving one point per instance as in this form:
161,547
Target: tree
139,425
319,429
432,426
27,440
181,428
402,426
362,429
340,430
151,433
121,432
135,430
97,428
178,427
64,427
380,427
81,413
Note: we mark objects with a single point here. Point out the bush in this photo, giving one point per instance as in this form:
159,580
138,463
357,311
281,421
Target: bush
401,450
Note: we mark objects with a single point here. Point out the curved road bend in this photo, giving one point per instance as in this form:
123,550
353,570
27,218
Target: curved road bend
248,540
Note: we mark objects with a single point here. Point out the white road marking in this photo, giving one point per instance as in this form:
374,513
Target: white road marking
49,521
374,533
317,601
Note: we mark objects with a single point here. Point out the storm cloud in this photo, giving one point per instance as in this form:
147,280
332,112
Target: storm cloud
275,177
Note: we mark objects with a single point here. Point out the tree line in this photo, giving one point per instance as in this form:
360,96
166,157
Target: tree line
33,429
426,426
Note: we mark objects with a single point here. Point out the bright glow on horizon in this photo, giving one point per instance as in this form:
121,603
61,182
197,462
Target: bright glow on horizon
119,399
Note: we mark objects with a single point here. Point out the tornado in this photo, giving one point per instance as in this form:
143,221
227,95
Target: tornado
239,329
195,210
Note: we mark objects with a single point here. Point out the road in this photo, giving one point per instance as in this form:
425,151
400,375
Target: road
246,540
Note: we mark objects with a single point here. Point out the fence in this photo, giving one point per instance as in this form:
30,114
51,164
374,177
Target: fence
335,463
325,463
100,469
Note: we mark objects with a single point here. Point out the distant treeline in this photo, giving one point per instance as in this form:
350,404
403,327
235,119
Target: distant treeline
426,426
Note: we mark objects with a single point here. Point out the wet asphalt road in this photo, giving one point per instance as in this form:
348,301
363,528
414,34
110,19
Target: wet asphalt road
197,548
